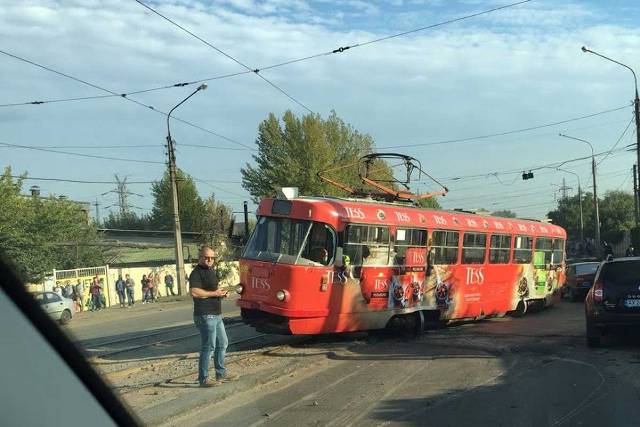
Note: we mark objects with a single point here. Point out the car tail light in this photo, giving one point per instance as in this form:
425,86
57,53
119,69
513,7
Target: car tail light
598,291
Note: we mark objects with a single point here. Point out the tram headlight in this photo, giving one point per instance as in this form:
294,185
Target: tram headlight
282,295
239,288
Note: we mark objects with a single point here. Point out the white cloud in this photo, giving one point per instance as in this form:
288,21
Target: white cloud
450,82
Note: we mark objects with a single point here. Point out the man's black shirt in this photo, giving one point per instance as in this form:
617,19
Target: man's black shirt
205,278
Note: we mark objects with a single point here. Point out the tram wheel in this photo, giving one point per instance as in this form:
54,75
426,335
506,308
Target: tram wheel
520,310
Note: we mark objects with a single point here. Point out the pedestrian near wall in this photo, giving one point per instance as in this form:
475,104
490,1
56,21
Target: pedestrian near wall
130,285
207,316
145,290
168,283
151,288
156,286
78,294
120,286
95,294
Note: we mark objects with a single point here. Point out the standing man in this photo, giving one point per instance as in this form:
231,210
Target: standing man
168,282
120,285
95,294
78,292
207,315
129,284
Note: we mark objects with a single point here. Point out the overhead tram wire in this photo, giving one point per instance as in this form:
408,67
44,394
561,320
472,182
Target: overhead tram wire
123,96
617,142
510,132
269,67
120,159
249,69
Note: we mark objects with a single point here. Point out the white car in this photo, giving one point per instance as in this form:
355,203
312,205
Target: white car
61,309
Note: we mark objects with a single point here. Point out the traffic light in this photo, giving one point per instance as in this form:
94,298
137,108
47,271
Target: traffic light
527,175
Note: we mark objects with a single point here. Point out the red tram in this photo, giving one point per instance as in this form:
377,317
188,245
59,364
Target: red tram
323,265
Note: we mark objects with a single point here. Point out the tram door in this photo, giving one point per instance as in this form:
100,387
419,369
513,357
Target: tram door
543,266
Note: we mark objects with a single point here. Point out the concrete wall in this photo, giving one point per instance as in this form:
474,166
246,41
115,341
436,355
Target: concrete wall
136,274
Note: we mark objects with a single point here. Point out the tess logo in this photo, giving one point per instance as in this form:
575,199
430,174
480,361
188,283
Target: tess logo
475,276
260,283
381,285
355,213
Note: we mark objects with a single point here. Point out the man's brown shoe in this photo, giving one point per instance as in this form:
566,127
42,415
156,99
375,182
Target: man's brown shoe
209,383
228,377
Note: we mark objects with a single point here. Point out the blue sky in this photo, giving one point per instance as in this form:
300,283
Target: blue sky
512,69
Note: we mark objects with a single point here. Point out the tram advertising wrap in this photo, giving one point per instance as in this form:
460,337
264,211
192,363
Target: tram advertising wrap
322,265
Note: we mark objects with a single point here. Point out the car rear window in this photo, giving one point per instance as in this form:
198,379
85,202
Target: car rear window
586,268
622,273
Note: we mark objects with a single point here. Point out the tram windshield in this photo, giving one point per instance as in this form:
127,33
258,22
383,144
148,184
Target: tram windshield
291,241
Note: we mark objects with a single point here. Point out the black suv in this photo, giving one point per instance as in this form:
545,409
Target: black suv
614,298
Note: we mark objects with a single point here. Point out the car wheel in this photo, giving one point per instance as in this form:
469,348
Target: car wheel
594,335
65,317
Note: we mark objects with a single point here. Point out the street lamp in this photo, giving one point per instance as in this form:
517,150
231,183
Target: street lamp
595,191
636,104
580,200
182,288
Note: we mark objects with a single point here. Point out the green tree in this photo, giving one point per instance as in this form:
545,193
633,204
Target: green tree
505,213
293,155
41,234
567,216
429,203
128,221
190,203
216,222
616,215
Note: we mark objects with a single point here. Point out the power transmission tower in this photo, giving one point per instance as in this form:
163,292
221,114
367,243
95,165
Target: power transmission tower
122,195
564,189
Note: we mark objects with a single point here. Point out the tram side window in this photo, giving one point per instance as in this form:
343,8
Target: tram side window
367,245
558,251
408,238
473,248
500,249
444,246
544,251
522,250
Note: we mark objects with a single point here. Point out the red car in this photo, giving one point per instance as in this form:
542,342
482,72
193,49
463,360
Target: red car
579,279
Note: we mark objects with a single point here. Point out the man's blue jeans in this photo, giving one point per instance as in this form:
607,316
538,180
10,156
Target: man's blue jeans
213,339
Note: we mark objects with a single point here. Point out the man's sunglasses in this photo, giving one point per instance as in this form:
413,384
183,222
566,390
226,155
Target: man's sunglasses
209,258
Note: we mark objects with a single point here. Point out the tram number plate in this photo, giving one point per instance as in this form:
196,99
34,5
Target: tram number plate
632,303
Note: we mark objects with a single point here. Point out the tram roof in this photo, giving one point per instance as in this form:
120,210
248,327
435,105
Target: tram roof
341,210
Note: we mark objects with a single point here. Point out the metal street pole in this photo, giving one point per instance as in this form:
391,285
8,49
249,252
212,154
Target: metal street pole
595,192
580,202
635,192
636,105
180,272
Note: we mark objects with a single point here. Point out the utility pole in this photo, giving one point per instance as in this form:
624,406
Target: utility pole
97,205
180,272
182,289
246,222
635,191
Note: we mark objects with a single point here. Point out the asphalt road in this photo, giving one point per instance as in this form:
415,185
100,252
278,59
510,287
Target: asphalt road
117,322
530,371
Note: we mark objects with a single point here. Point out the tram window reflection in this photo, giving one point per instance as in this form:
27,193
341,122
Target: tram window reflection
558,251
544,251
445,247
522,250
367,245
408,238
473,248
500,249
319,247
